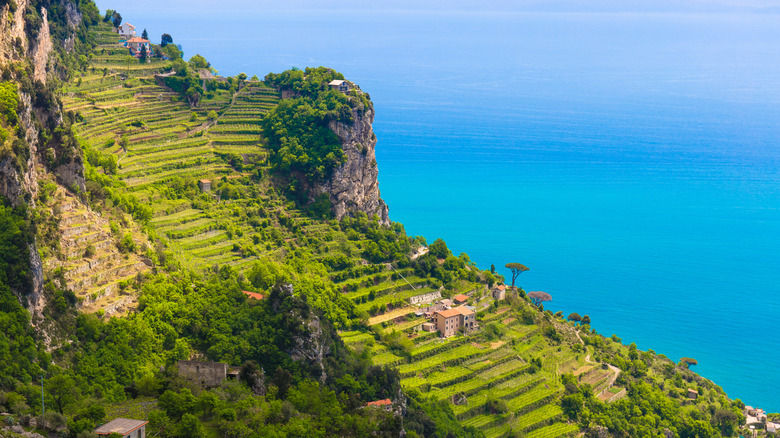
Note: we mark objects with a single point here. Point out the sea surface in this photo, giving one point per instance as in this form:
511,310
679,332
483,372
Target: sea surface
629,157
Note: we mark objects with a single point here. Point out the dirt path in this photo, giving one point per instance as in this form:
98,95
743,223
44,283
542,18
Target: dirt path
615,370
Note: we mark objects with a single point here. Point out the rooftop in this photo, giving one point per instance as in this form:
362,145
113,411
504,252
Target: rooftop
384,402
460,297
501,287
336,82
455,311
254,295
137,40
122,426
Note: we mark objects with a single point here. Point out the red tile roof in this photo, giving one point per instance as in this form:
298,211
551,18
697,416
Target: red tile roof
501,287
449,313
384,402
254,295
461,298
455,311
137,40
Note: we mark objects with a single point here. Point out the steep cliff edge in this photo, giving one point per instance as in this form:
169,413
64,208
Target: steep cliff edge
354,186
321,141
38,140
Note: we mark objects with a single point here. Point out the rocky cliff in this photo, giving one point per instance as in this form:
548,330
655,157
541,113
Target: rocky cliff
354,186
26,47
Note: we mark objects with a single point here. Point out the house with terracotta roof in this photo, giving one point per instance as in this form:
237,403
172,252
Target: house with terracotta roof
499,292
385,404
135,44
125,427
204,185
254,295
460,299
450,321
126,31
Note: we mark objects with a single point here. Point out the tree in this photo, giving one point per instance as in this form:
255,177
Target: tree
688,361
63,390
117,19
142,59
728,421
516,269
574,316
166,39
538,297
145,35
198,62
586,321
190,427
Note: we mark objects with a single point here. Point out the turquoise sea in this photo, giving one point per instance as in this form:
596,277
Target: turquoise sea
629,155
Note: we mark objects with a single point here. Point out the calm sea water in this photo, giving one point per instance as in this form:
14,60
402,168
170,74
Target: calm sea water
630,159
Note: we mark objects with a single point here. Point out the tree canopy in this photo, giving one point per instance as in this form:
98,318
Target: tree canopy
516,269
166,39
538,297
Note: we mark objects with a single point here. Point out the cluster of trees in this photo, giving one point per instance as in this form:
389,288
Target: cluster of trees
302,145
186,81
645,411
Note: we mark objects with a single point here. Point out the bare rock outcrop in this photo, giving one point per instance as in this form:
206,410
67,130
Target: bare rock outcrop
354,186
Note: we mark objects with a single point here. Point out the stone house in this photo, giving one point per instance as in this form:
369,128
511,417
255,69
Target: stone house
204,185
126,31
124,426
499,292
208,374
460,299
449,321
339,85
428,327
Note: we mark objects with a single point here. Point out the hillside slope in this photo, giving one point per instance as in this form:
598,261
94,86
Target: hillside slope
193,189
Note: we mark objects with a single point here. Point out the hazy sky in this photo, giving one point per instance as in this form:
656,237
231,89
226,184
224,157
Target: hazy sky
676,6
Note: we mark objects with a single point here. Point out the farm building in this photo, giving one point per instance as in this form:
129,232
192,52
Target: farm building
448,322
125,427
204,185
460,299
499,292
208,374
339,85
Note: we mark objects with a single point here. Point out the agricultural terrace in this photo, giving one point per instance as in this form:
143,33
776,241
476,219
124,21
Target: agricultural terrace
505,378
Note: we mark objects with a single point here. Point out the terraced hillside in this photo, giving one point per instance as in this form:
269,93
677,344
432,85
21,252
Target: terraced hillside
161,143
147,151
163,147
489,377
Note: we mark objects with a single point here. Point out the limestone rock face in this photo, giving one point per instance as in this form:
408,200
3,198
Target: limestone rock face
354,186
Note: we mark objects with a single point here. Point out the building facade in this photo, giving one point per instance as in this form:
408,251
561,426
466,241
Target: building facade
450,321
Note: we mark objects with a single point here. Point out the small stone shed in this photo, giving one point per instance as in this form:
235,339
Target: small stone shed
208,374
126,427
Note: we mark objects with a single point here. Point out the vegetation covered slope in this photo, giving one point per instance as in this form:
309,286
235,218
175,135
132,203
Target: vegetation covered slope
143,242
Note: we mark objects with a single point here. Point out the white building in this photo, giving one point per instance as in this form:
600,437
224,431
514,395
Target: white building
126,31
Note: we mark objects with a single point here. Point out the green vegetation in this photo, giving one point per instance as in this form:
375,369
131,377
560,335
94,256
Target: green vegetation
158,275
